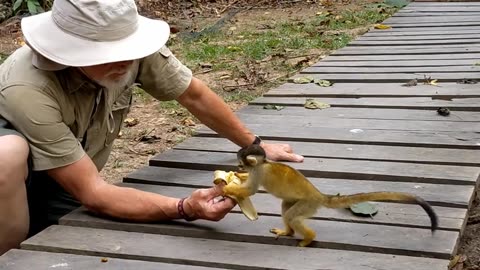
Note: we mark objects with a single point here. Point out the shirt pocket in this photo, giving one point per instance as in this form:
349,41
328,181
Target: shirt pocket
120,109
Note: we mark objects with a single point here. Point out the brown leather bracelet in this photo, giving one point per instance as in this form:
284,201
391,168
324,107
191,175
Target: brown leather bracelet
181,210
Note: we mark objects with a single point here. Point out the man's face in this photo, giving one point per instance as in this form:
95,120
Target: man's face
110,73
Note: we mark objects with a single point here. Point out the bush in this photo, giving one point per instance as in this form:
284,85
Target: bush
31,6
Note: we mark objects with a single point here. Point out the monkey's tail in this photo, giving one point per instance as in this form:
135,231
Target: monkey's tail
343,201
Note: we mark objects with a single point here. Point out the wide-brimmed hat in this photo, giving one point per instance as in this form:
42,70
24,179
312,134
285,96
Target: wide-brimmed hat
91,32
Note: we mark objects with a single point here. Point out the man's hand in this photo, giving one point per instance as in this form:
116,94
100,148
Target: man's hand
280,152
201,204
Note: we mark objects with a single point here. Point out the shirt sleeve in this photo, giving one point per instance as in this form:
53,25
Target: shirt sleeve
163,76
37,116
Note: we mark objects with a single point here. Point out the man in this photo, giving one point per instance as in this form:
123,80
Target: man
63,98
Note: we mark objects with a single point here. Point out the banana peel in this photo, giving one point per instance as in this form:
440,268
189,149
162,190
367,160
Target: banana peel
236,178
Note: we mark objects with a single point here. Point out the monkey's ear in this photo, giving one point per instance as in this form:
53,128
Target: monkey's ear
252,160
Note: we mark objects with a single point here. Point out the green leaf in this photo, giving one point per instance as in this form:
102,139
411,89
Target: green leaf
32,8
17,4
477,64
311,103
397,3
301,80
364,209
273,107
323,83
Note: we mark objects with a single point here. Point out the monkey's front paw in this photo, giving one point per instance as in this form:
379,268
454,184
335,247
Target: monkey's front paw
280,232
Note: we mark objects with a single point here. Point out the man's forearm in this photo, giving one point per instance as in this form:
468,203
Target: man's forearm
134,205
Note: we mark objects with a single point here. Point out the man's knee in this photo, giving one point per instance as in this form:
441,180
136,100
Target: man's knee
14,152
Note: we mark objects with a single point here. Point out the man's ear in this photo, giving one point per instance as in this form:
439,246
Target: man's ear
252,160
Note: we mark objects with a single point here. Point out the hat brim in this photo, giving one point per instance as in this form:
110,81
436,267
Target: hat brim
45,37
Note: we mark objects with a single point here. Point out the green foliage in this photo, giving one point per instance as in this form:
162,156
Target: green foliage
397,3
31,6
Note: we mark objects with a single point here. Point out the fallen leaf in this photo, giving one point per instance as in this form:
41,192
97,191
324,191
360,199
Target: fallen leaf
430,81
273,107
382,26
323,83
104,260
364,209
188,122
456,263
130,122
477,64
149,139
411,83
467,81
443,111
301,80
311,103
206,65
234,48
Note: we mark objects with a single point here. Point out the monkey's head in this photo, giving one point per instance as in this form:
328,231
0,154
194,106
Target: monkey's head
250,156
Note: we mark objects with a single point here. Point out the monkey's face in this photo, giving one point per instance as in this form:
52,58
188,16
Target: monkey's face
250,156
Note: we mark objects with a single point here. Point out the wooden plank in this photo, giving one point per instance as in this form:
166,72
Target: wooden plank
449,4
413,42
391,69
451,49
442,9
296,122
419,103
426,29
437,139
25,259
452,37
434,24
399,63
356,90
439,156
217,253
402,57
331,234
364,113
431,19
395,77
428,14
453,198
331,168
414,32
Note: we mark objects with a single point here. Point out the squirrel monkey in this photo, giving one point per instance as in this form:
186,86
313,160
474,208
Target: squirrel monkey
300,198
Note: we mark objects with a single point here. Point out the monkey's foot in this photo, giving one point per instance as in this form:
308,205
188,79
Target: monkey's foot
304,242
280,232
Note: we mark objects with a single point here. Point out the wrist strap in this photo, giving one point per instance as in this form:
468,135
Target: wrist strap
257,140
181,210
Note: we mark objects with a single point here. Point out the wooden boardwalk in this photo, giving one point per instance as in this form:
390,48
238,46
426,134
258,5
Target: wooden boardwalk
378,135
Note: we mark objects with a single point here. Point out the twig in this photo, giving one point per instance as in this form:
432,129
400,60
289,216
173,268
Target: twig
227,6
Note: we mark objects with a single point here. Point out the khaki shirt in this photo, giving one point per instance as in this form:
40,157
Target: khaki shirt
58,111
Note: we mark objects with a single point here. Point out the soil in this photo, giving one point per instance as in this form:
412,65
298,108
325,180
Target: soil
152,129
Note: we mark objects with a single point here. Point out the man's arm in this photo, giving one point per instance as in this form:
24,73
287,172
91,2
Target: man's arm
210,109
82,180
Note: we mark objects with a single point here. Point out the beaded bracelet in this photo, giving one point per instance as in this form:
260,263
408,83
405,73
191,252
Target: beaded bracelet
181,210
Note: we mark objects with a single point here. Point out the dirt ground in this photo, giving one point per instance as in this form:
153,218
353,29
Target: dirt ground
153,128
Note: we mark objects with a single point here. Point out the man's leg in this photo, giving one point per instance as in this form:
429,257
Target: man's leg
14,217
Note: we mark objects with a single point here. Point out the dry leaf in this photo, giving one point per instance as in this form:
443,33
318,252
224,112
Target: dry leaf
188,122
104,260
273,107
382,26
301,80
430,81
311,103
130,122
323,83
411,83
456,263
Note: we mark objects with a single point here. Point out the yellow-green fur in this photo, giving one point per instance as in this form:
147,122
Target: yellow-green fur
300,198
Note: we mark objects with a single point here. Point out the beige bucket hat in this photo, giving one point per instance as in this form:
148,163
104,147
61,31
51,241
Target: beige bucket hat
92,32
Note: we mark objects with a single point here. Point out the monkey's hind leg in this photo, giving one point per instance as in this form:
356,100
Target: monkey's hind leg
288,230
296,216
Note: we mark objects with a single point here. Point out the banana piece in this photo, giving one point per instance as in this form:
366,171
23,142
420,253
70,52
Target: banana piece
235,178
